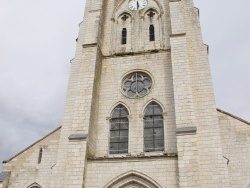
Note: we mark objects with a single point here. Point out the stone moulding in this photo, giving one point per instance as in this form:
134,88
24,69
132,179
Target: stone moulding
172,1
133,176
76,137
186,130
118,54
178,35
136,157
89,45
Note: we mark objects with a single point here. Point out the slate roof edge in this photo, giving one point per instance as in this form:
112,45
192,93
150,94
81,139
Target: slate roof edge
233,116
3,176
6,161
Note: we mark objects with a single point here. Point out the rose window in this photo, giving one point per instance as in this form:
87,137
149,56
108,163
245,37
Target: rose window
136,85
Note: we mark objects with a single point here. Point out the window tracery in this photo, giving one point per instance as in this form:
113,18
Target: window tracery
137,84
124,17
151,14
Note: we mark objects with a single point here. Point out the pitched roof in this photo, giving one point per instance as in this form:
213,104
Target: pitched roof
32,145
233,116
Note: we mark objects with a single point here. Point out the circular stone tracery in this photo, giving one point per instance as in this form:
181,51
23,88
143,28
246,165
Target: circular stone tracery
137,84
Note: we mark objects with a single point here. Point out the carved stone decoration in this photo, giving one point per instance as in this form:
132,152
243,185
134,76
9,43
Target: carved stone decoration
124,17
136,85
151,14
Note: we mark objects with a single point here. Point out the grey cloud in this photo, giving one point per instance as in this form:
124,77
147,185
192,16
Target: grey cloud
225,26
37,42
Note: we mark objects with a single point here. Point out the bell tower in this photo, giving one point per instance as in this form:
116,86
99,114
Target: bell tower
140,108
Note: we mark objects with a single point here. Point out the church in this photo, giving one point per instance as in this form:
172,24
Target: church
140,108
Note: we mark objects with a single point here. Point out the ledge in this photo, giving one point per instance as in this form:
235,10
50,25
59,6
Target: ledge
138,157
3,176
122,54
89,45
78,137
172,1
178,35
186,130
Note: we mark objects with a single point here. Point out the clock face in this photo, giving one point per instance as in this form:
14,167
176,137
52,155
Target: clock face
137,4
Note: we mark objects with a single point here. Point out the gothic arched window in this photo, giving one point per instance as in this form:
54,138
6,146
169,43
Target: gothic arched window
151,32
119,126
124,36
153,128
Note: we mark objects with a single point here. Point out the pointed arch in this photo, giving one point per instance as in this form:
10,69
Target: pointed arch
118,103
153,127
156,101
133,177
133,182
119,130
34,185
123,12
156,6
148,9
116,9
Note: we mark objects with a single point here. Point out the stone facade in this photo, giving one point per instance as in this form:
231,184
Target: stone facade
201,144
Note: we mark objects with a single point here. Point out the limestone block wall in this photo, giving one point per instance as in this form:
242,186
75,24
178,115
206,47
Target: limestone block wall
158,66
24,167
77,118
161,170
235,135
194,99
137,27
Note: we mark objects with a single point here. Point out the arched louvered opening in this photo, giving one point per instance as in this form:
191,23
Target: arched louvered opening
119,127
124,36
151,32
153,128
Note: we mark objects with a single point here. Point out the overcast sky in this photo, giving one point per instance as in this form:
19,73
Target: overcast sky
37,42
